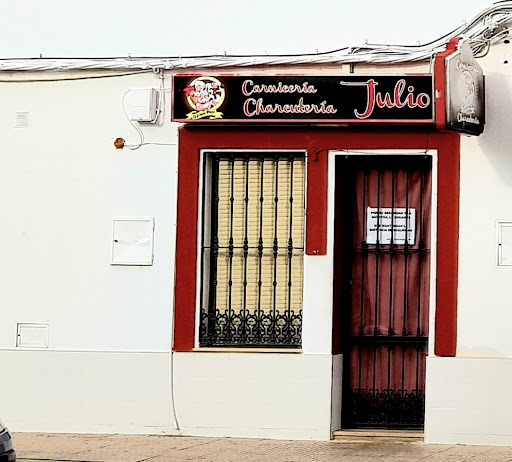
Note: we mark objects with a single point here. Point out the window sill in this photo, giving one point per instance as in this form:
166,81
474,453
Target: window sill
246,350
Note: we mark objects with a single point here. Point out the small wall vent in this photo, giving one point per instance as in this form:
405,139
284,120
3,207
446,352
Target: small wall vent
32,335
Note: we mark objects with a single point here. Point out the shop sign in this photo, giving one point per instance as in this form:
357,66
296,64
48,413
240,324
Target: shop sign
318,99
382,224
465,105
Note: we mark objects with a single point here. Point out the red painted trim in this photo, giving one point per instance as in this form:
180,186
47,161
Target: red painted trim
445,343
316,203
447,249
186,244
440,83
316,140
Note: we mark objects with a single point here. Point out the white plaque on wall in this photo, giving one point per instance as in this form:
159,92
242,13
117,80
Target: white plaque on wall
132,242
382,223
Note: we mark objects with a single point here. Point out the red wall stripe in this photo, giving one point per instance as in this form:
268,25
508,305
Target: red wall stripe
448,207
316,203
186,244
447,249
440,83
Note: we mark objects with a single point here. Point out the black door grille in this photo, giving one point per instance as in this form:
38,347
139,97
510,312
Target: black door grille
252,248
386,334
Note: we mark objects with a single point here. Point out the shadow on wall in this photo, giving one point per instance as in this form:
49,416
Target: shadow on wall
496,140
476,352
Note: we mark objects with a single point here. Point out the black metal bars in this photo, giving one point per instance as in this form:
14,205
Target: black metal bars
387,341
252,250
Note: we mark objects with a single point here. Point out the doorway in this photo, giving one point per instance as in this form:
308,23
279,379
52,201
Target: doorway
382,286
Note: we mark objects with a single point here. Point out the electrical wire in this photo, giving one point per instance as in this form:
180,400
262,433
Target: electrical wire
162,93
488,26
63,79
160,111
137,129
153,143
161,98
171,374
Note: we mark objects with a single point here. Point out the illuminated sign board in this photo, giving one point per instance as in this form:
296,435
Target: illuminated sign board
316,99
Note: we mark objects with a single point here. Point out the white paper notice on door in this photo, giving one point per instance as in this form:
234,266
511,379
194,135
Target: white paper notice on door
382,223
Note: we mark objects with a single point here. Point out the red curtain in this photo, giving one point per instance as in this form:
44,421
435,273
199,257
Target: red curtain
390,282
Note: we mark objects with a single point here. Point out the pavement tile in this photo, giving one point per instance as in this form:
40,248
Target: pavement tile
126,449
33,447
54,446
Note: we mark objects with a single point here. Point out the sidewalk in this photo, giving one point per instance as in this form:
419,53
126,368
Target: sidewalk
32,447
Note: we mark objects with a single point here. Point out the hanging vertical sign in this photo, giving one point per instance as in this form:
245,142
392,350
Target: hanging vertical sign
465,103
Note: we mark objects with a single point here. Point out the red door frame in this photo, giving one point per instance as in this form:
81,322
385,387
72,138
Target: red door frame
317,141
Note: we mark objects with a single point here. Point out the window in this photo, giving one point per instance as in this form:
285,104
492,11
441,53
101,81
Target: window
252,249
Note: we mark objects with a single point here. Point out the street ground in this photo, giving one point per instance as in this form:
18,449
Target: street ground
37,447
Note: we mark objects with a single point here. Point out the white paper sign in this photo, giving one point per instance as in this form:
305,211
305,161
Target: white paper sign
379,221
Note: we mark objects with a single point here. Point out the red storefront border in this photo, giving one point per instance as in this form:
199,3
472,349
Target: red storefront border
440,83
317,142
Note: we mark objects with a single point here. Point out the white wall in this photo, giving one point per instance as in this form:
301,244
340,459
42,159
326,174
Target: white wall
467,396
468,401
61,184
484,316
486,188
107,365
86,392
258,395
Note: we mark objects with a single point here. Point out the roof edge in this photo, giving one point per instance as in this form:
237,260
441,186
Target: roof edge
487,27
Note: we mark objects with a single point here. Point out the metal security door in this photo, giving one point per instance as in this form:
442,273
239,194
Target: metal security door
385,308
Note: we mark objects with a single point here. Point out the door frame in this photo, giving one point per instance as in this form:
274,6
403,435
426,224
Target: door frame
337,379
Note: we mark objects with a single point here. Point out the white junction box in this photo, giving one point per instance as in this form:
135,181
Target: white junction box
144,103
132,242
504,237
32,335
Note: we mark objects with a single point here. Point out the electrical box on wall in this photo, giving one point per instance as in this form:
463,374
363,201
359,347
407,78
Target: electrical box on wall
132,242
32,335
504,237
144,103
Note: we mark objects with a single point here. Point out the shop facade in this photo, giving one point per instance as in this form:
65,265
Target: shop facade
386,303
365,289
337,234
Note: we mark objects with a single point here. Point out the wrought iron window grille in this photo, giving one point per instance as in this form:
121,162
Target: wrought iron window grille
252,250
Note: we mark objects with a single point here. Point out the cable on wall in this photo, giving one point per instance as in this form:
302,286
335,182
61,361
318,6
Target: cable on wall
133,124
120,143
487,27
65,79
